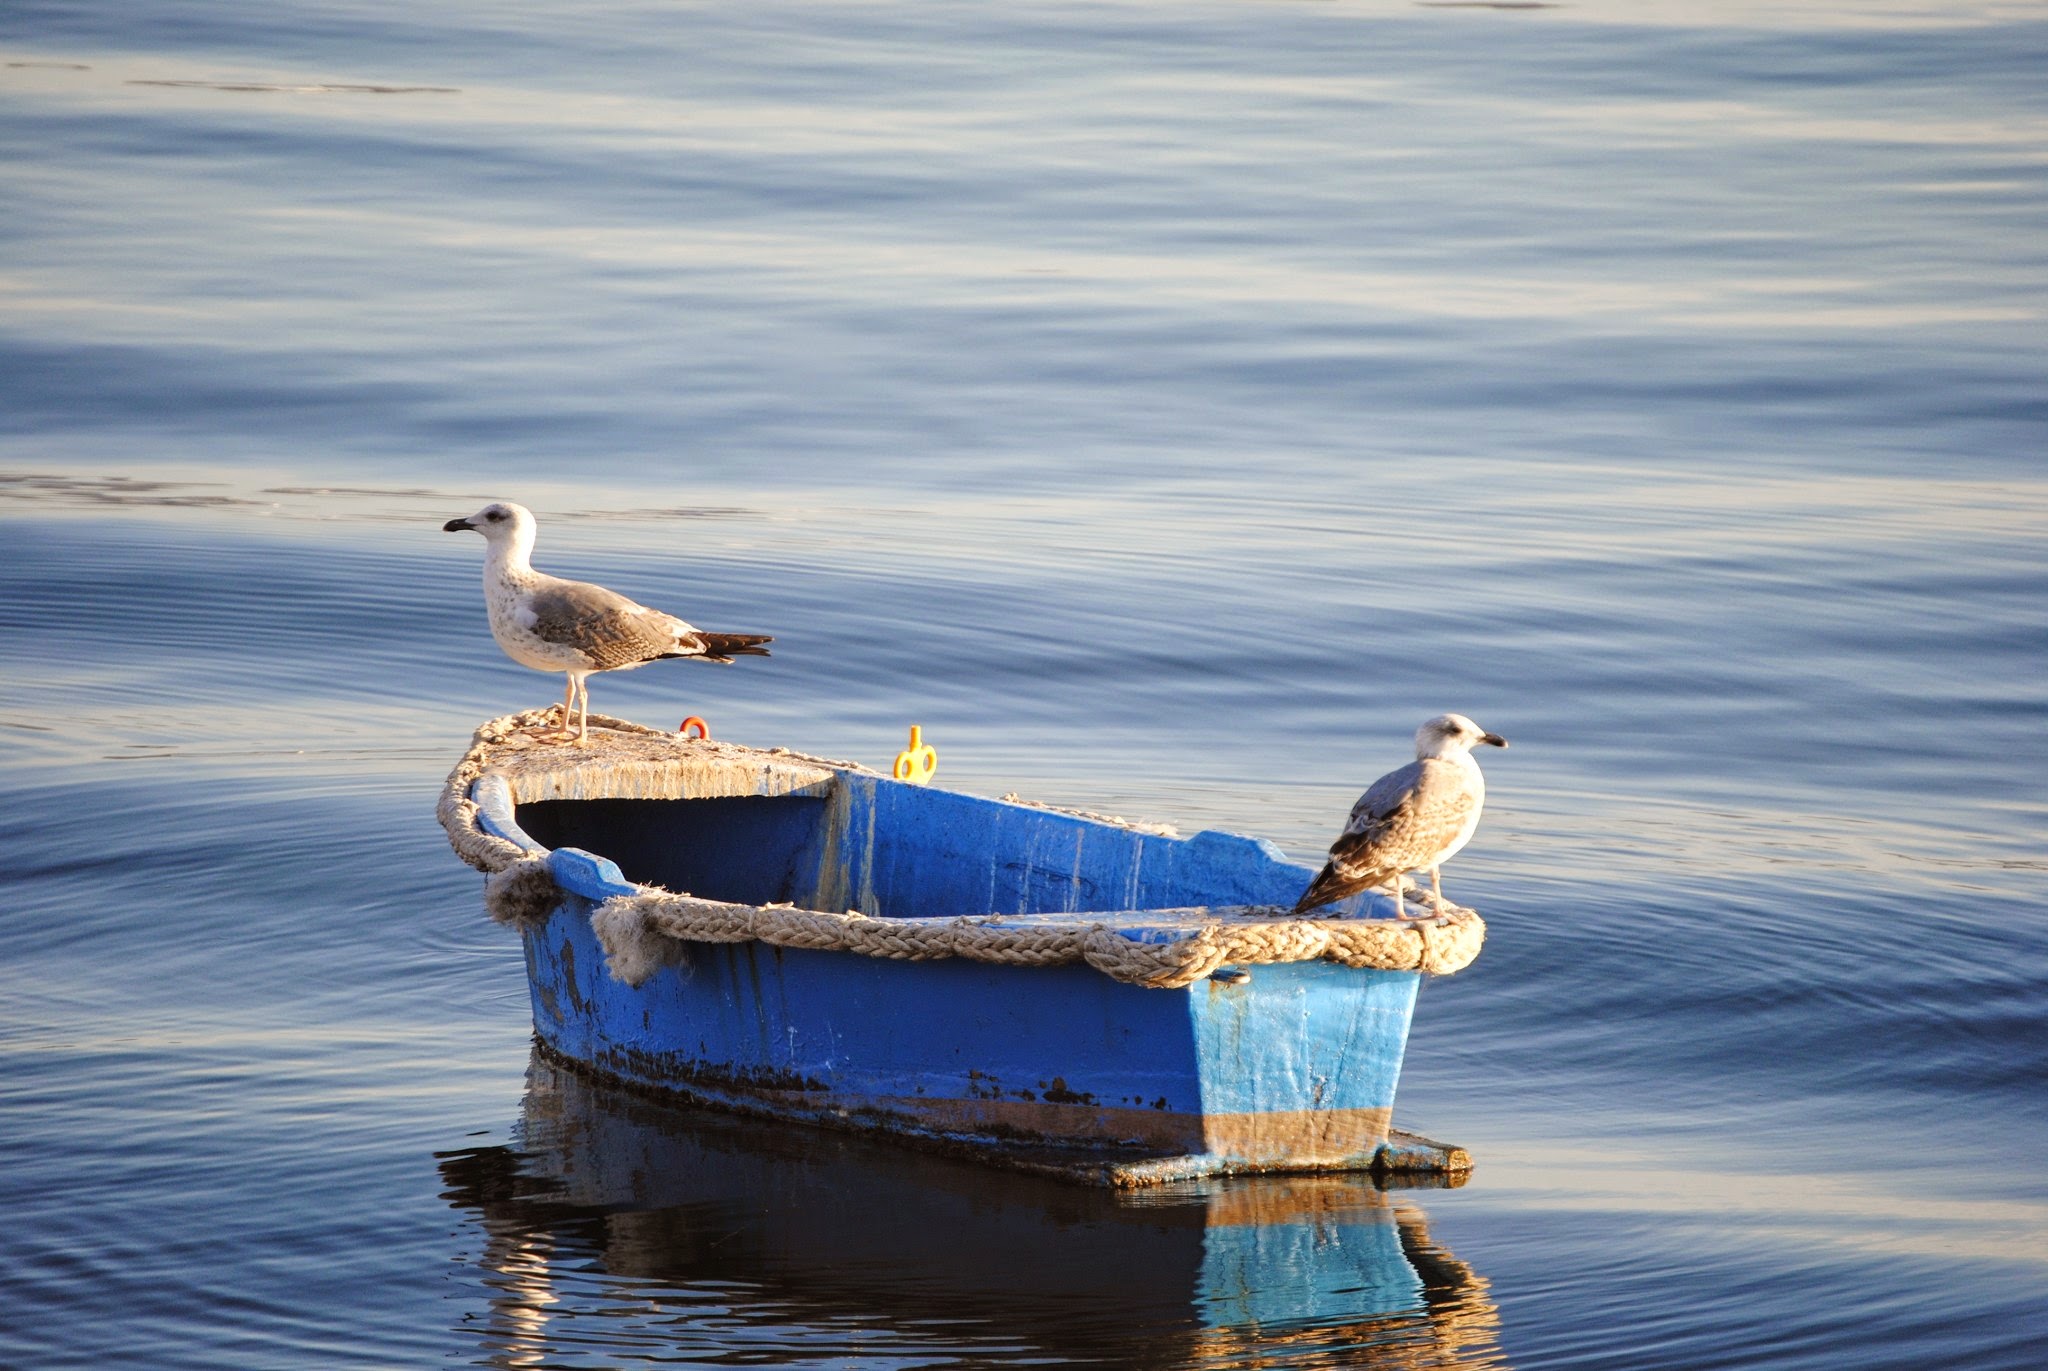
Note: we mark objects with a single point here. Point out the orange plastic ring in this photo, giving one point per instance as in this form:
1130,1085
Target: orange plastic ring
703,729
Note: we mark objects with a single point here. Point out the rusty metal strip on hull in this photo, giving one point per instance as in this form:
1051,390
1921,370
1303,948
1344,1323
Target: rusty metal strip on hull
1402,1160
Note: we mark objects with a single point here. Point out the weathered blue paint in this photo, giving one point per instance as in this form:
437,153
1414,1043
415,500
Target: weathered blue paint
890,849
494,808
970,855
973,1049
1269,1067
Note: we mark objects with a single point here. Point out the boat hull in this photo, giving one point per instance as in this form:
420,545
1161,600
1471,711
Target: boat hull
1049,997
1282,1067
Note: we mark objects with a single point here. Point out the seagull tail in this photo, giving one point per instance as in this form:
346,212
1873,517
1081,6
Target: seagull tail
1332,885
723,647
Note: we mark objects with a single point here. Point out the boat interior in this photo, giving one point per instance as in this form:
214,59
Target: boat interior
888,849
746,849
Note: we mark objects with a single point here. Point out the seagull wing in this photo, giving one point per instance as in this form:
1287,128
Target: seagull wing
1408,818
1404,822
606,627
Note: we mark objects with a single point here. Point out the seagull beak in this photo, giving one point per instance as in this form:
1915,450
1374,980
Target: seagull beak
1494,739
457,526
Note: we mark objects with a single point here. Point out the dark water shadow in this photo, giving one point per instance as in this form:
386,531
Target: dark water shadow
71,491
78,492
622,1226
316,88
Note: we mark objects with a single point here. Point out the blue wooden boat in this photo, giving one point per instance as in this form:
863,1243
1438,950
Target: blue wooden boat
616,1205
786,936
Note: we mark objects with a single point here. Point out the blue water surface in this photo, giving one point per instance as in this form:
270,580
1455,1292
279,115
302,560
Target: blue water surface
1167,407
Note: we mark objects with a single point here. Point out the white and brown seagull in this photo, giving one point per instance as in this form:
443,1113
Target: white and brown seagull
551,624
1413,819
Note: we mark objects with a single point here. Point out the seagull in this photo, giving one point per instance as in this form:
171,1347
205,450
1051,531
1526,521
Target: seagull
574,627
1413,819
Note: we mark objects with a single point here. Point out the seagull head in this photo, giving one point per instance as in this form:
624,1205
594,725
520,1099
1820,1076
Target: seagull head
504,524
1452,735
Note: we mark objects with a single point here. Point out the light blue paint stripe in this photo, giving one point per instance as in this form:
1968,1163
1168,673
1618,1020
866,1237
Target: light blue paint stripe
587,874
495,810
574,870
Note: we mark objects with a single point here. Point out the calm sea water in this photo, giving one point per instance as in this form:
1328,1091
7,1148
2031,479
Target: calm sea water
1167,406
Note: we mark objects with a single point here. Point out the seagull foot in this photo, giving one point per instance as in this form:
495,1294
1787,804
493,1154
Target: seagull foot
549,724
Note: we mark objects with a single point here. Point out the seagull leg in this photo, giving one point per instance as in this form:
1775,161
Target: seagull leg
583,712
1436,889
556,730
549,729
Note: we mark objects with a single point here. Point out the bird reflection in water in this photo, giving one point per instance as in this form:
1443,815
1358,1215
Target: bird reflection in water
621,1228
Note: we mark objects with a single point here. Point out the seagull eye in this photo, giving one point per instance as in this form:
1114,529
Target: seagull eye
494,516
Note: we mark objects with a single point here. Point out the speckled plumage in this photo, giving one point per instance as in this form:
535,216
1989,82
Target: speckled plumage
574,627
1414,818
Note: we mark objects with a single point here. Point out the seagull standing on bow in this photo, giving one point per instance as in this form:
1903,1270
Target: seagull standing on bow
574,627
1413,819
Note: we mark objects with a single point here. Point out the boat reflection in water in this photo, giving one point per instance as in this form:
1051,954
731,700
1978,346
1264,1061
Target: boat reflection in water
624,1229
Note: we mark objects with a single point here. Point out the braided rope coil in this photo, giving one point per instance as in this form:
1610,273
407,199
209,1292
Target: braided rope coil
644,932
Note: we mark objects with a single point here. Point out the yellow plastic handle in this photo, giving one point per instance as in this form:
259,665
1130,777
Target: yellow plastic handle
918,762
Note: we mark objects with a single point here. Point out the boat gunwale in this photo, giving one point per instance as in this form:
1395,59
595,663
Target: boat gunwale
503,763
